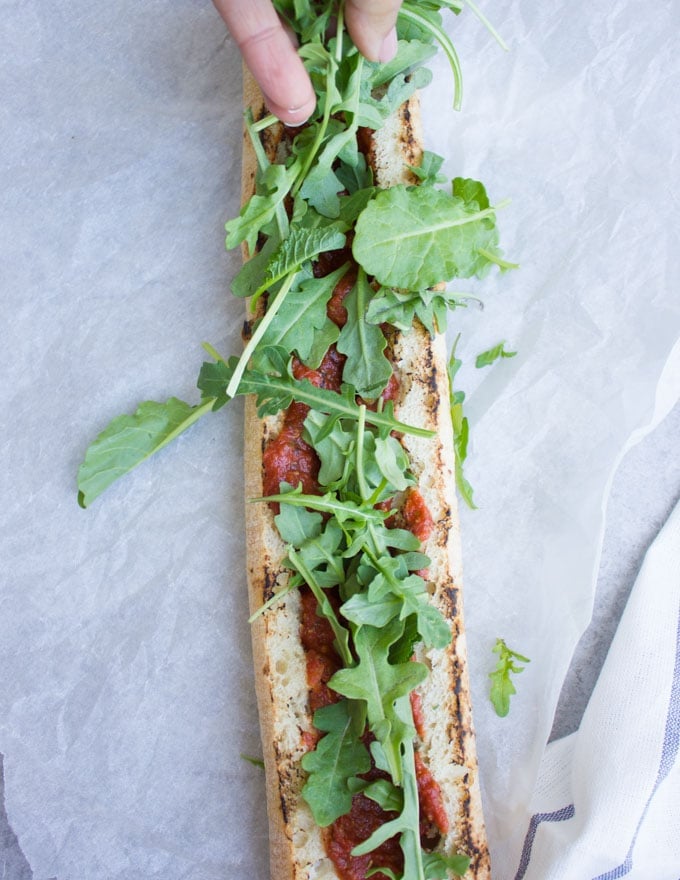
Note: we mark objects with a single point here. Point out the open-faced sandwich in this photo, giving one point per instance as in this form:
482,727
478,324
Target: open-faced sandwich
354,563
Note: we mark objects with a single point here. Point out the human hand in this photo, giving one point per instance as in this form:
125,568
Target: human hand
270,54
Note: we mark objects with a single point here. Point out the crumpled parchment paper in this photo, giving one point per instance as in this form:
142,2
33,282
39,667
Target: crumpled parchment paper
126,697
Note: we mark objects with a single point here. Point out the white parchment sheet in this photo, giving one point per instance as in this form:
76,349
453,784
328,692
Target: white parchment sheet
126,696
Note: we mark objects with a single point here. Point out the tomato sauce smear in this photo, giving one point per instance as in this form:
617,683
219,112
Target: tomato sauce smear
365,817
288,458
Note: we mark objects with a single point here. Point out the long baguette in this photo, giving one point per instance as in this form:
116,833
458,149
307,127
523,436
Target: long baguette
297,849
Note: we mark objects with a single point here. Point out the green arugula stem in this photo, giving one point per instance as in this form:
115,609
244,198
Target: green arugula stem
409,12
265,122
361,477
341,634
293,584
487,24
213,352
339,32
262,160
410,838
321,131
205,407
323,505
499,261
449,224
259,332
266,386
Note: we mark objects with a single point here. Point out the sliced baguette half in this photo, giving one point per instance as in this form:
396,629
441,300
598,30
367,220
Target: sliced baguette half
296,844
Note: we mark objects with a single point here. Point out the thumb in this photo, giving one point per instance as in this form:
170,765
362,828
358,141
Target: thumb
372,26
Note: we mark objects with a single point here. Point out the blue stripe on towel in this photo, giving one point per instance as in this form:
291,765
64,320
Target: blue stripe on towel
669,753
536,819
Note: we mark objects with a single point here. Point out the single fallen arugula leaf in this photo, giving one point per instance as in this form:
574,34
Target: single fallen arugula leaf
129,440
502,687
486,358
256,762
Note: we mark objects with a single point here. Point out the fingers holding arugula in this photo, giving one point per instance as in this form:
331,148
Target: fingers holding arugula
270,53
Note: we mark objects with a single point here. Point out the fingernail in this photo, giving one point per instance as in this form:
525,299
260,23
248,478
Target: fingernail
292,117
389,47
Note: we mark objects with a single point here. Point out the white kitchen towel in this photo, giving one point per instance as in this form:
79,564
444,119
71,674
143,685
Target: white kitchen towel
607,801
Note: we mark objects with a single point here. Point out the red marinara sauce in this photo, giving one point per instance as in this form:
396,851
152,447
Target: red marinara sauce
321,659
366,816
430,797
289,458
335,308
350,830
417,515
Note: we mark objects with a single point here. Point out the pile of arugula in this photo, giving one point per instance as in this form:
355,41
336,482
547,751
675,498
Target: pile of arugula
405,240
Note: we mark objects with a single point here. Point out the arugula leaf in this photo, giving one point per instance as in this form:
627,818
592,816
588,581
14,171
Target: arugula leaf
373,111
261,208
428,170
338,758
391,463
351,206
472,192
323,194
296,525
402,649
322,554
344,511
417,237
301,323
502,687
342,636
400,307
275,392
410,54
256,762
395,307
319,161
407,823
248,279
411,590
355,176
304,244
437,865
333,447
386,795
130,440
378,682
493,354
361,610
366,368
